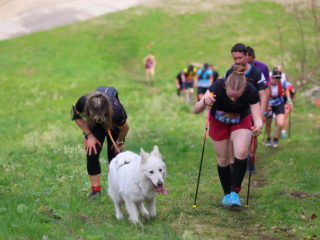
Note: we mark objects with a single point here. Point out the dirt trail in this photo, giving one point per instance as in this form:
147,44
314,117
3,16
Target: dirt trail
19,18
23,17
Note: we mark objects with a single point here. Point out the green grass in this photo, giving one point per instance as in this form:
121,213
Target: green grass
44,183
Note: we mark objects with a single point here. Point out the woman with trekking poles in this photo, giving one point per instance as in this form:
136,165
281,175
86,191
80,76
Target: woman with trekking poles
233,103
278,90
100,115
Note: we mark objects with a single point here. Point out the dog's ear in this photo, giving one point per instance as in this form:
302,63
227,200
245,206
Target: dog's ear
164,172
144,156
155,152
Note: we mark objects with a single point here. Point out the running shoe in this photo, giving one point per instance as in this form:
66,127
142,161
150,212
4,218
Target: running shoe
275,144
94,194
226,200
268,143
234,199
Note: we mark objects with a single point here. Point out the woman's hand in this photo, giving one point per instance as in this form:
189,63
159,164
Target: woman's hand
119,147
90,144
256,130
290,105
209,99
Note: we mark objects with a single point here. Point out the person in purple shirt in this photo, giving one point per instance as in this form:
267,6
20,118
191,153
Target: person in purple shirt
251,59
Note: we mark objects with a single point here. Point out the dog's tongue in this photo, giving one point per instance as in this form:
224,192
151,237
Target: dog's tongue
162,190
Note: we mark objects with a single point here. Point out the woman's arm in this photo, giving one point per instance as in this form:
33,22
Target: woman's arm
122,135
91,141
264,99
195,82
257,120
207,99
83,126
123,131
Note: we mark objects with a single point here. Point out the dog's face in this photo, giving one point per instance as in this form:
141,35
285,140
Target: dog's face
153,168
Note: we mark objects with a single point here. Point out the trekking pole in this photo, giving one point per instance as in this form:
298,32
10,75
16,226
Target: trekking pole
252,160
289,133
201,160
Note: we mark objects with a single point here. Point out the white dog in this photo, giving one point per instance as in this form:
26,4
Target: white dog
135,180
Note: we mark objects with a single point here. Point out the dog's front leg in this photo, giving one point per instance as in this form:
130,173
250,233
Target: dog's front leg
144,211
132,211
153,210
117,207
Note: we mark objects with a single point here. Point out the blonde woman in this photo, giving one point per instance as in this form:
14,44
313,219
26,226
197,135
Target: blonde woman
234,104
149,65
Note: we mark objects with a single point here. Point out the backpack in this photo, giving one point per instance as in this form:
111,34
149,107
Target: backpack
110,92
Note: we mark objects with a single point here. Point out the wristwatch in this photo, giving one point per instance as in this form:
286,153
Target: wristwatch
120,142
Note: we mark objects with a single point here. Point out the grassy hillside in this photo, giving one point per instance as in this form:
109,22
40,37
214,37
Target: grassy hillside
43,184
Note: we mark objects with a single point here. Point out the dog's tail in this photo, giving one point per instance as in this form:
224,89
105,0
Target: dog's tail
122,159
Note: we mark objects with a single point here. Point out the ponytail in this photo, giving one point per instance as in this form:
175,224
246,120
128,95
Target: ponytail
236,80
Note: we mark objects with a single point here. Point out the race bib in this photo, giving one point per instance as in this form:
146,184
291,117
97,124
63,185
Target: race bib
228,118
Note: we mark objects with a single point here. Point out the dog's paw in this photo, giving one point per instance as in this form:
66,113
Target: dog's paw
119,217
134,220
145,214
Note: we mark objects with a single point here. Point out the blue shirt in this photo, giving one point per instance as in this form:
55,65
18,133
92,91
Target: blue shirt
204,79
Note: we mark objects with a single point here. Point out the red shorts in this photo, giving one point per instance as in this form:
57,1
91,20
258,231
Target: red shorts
220,131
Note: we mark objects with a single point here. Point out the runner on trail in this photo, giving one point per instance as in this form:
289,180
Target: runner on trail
251,58
288,104
253,75
234,105
185,80
203,80
263,67
288,107
149,65
215,73
277,91
94,113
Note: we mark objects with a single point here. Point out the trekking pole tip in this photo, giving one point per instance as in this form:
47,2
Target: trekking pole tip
194,206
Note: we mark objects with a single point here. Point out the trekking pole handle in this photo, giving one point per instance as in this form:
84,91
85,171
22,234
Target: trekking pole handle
209,109
252,146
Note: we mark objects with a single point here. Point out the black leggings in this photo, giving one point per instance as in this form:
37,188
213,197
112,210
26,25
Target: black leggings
93,163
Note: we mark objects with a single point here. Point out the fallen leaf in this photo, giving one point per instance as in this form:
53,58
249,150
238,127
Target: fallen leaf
83,217
313,216
303,217
283,229
301,194
291,236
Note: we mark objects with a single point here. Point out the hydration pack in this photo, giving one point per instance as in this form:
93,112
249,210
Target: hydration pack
110,92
